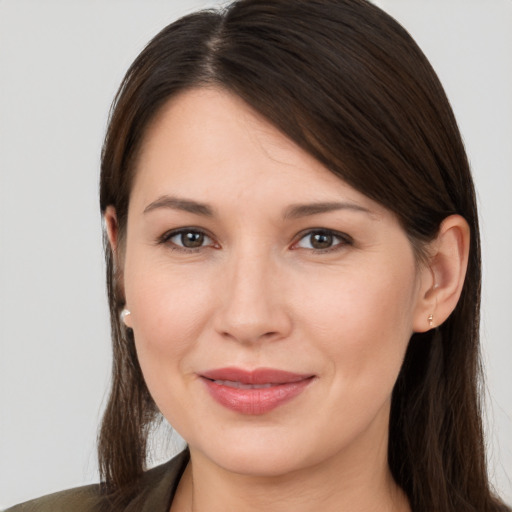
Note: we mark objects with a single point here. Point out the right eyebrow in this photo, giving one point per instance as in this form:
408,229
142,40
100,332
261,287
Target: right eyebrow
175,203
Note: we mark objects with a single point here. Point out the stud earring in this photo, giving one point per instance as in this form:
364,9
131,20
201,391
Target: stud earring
124,314
431,320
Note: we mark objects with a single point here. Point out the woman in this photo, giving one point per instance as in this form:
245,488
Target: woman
293,271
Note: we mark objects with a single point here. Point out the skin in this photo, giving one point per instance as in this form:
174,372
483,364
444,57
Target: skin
261,292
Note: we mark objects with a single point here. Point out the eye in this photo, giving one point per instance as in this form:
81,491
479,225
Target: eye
323,240
187,239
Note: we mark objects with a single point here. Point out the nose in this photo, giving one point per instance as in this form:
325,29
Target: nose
252,305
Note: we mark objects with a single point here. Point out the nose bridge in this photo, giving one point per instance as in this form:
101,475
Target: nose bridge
252,300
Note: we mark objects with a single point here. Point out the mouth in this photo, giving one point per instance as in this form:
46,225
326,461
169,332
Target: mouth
241,385
254,392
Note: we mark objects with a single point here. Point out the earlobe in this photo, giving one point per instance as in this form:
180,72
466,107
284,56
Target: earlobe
447,269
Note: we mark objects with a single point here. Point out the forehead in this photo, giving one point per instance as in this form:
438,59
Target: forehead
208,144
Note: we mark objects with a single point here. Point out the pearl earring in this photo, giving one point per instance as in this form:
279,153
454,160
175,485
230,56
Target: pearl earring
124,314
431,320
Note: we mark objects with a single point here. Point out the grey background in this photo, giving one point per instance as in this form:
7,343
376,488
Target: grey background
60,65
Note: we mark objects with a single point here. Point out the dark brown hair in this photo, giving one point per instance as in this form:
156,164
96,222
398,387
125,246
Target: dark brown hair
349,85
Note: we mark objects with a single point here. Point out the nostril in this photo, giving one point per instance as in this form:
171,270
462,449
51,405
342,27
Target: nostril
252,313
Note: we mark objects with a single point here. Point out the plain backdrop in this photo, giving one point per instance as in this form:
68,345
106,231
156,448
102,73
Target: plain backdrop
60,65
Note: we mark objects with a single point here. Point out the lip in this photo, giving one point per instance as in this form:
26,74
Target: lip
233,388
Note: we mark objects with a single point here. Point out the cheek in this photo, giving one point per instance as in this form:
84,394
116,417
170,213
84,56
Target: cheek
363,325
170,307
170,310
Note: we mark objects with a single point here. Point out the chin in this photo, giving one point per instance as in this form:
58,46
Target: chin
263,449
261,454
250,451
255,462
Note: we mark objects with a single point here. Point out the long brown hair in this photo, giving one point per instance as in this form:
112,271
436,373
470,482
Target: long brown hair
349,85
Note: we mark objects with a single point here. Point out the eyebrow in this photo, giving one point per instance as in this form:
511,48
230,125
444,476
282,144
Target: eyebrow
294,211
297,211
176,203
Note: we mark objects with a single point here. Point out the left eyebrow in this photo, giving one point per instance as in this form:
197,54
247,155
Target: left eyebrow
296,211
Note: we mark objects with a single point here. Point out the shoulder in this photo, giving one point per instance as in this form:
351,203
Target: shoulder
81,499
156,492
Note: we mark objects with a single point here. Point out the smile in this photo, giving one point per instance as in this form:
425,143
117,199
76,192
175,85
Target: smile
254,392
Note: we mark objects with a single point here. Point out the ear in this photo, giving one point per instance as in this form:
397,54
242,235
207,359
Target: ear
110,218
443,277
112,228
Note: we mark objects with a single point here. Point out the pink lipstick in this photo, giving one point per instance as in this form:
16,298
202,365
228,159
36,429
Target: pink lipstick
254,392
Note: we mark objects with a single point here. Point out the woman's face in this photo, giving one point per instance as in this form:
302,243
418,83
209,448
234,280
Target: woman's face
271,303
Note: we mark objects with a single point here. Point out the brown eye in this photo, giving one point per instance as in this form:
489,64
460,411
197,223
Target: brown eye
323,240
187,239
191,239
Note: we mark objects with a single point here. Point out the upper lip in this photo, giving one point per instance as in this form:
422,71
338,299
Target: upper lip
256,376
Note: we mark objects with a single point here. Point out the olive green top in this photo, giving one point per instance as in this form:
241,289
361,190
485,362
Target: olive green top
157,489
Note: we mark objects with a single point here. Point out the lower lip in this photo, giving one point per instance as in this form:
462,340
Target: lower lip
255,401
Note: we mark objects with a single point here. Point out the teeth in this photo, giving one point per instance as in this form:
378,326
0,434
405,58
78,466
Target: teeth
239,385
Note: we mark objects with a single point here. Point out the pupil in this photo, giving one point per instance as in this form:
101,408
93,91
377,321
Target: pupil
321,241
192,239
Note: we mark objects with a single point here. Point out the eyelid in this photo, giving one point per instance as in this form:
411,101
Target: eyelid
166,239
345,240
343,237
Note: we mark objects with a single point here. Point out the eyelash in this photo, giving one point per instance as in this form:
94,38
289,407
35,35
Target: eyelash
343,238
166,237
